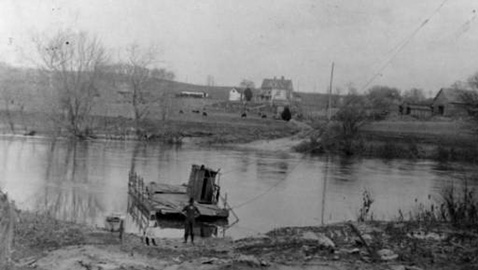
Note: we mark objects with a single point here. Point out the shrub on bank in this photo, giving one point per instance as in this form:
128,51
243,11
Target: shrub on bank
311,145
458,207
457,152
390,148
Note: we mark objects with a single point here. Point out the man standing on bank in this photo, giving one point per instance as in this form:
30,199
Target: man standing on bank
191,212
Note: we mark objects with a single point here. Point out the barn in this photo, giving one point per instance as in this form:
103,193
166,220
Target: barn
452,102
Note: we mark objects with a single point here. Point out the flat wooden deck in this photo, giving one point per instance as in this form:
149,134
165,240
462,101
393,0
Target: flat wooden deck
169,199
164,199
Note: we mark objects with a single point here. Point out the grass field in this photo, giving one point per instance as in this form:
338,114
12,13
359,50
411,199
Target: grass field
116,123
421,129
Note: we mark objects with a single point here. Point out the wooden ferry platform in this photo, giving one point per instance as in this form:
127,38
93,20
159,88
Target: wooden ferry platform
159,201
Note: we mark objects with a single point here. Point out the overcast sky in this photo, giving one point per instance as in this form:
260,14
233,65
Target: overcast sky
298,39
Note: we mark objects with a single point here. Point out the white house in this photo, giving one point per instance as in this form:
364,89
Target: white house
276,90
235,94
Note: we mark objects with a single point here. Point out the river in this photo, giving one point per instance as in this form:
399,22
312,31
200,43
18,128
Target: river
84,182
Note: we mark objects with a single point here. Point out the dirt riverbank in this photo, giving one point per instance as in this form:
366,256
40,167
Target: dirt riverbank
43,243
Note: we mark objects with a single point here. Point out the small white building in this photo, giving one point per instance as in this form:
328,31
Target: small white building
235,94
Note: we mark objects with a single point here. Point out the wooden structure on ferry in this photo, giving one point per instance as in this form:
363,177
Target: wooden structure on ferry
157,200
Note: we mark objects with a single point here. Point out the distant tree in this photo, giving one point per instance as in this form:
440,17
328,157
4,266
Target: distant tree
286,115
468,93
72,62
247,84
470,98
136,67
351,89
7,95
210,80
383,100
462,85
8,92
162,73
473,81
336,97
414,95
351,116
248,94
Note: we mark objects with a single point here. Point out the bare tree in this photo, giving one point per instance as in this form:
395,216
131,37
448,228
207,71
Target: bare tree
136,67
163,74
470,99
14,95
245,83
472,81
210,80
414,95
8,102
72,61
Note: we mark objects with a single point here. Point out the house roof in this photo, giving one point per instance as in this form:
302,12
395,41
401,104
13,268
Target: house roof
239,90
275,83
453,95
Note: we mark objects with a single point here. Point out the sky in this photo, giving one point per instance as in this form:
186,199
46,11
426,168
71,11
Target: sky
427,44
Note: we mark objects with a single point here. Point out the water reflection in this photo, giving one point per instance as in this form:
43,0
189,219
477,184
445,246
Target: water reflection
66,194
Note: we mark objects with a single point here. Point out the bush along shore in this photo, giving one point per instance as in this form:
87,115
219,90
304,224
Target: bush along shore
436,237
392,146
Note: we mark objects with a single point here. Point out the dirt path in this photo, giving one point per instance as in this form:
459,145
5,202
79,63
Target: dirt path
279,145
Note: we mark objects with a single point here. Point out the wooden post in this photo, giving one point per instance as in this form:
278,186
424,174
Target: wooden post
329,112
142,189
225,200
324,191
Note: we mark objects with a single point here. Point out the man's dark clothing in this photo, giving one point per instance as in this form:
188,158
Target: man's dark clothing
191,212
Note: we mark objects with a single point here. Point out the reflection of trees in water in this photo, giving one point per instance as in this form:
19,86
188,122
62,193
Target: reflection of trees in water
67,194
277,167
153,159
342,169
245,161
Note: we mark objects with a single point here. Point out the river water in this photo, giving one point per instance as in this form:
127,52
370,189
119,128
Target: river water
84,182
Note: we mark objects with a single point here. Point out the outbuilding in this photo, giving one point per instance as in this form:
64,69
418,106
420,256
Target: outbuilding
452,102
235,94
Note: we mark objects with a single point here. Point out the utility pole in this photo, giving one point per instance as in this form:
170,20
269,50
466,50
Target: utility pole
324,189
327,162
329,103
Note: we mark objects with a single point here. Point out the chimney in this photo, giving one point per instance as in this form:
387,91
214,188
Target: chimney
282,77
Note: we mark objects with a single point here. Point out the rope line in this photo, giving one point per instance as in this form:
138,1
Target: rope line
402,45
268,190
